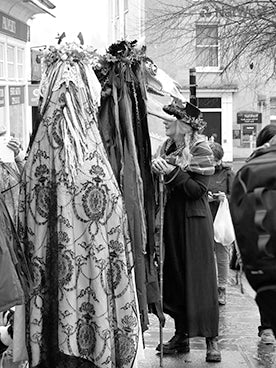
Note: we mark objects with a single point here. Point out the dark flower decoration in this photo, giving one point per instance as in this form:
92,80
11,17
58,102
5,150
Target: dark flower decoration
122,48
186,112
123,53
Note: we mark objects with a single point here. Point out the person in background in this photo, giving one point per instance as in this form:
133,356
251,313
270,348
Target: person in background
11,165
10,169
265,331
190,290
219,189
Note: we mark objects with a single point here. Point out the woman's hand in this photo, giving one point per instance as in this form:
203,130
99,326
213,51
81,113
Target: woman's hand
218,197
15,146
221,196
161,166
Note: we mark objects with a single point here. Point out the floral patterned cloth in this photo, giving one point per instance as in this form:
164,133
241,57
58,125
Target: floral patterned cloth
82,311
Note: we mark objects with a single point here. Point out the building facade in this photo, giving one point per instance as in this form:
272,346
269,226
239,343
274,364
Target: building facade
15,66
236,103
126,20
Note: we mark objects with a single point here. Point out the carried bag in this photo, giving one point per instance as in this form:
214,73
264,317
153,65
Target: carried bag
253,210
223,227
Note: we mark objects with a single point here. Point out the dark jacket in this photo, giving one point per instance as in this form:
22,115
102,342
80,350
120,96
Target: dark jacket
190,288
221,181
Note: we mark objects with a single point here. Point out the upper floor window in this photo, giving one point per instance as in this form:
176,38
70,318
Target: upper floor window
207,45
20,63
273,106
11,62
125,17
117,8
2,60
125,5
116,20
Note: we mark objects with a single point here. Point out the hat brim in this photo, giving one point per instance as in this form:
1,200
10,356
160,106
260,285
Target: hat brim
155,108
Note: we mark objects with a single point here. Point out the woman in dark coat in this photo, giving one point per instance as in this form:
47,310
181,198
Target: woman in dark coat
190,289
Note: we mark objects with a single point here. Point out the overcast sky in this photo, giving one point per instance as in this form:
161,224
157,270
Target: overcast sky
72,17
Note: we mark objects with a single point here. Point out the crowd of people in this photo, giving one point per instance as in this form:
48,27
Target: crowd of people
70,233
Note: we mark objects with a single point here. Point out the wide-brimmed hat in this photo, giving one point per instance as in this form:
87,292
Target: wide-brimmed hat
186,112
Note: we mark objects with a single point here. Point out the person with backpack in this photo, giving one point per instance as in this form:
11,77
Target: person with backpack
265,330
219,189
253,210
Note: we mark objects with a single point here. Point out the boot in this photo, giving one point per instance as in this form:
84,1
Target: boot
179,343
213,353
222,295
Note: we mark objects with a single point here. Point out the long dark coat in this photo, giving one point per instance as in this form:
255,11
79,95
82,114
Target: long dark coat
190,287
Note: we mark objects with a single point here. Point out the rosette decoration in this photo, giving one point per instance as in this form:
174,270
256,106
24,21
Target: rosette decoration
124,128
82,310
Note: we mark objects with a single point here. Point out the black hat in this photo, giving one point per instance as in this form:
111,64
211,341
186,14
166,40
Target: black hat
186,112
181,109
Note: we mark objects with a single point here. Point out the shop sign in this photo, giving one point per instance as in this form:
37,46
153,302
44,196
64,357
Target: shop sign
249,117
233,11
16,95
248,131
2,96
14,27
33,94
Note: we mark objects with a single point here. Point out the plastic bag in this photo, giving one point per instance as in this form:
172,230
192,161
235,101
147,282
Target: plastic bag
223,227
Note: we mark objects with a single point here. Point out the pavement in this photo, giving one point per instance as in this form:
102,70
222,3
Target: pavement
238,337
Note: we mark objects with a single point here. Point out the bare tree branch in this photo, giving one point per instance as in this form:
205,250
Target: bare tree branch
244,27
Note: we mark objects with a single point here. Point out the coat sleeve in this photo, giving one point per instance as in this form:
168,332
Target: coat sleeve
231,176
193,185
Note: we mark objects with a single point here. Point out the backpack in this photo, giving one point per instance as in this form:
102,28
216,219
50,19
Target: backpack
253,211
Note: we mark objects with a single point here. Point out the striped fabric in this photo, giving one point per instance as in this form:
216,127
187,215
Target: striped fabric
199,160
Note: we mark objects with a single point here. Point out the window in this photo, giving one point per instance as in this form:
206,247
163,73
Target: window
2,60
20,63
125,17
273,106
209,102
11,62
3,121
206,45
117,5
116,20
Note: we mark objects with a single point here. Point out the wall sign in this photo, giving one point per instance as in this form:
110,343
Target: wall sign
236,134
33,94
2,96
16,95
14,27
249,117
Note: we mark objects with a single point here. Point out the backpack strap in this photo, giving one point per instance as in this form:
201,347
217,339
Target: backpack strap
260,214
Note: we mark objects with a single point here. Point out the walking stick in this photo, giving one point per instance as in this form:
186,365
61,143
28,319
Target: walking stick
161,192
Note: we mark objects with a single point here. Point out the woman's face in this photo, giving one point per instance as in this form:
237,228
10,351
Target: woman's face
176,128
170,128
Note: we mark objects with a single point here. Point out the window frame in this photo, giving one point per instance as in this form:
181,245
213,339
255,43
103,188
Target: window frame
207,68
10,63
2,61
20,64
126,10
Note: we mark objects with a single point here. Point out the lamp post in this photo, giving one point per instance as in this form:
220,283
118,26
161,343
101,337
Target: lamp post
192,74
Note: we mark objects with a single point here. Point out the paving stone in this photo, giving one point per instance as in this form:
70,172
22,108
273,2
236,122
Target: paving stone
238,337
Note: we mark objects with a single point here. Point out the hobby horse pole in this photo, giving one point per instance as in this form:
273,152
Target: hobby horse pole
161,191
